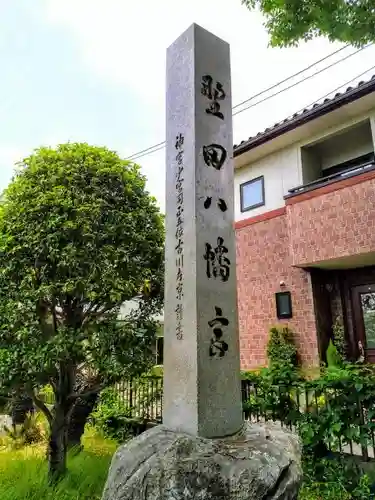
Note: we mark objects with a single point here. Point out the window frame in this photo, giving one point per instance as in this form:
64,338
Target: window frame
278,296
256,205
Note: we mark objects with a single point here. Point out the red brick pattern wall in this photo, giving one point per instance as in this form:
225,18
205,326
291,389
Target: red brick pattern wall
263,260
333,225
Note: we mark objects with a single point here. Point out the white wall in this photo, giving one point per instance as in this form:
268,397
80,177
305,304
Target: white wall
311,165
281,170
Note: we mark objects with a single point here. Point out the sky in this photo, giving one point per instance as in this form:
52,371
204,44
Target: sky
94,71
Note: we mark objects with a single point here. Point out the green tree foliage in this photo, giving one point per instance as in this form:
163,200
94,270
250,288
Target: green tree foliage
339,338
334,360
79,236
289,21
281,349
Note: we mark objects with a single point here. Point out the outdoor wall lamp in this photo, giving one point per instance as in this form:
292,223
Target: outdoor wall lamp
283,305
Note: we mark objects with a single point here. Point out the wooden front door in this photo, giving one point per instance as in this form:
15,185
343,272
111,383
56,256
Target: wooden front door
363,301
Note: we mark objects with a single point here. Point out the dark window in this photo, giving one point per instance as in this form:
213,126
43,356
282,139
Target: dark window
252,194
283,305
159,350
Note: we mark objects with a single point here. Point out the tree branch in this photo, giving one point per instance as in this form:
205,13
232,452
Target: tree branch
93,390
44,312
42,407
7,398
91,308
90,374
54,316
53,384
95,314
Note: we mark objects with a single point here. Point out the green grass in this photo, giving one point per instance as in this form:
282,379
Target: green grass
336,479
23,473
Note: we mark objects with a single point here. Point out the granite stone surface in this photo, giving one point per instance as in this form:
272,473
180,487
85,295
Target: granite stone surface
201,345
261,462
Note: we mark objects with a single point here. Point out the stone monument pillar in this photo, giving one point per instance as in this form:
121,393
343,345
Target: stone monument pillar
201,346
203,450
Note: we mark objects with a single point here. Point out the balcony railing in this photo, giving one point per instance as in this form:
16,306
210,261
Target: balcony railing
329,179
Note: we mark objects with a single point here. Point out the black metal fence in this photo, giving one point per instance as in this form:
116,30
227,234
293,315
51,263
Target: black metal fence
319,411
143,398
336,416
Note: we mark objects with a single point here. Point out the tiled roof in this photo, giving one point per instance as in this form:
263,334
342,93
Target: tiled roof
340,99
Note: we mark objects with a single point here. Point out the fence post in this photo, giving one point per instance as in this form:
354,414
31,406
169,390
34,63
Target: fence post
131,397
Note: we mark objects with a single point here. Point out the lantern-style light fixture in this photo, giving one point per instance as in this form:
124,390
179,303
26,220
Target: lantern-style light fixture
283,305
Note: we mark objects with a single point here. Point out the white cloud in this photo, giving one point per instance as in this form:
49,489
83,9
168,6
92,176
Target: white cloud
124,43
9,156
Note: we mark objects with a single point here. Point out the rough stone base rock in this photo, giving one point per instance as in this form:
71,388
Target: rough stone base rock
261,462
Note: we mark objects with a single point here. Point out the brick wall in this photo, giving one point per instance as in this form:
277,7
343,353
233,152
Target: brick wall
338,223
332,222
263,260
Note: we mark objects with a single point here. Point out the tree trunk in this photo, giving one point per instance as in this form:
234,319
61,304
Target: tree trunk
57,446
78,419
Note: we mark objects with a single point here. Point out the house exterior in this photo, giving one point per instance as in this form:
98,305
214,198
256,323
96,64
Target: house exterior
305,229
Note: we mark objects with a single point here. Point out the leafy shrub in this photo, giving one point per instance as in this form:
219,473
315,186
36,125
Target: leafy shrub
157,371
32,430
270,398
334,479
113,418
334,359
348,409
110,415
328,412
273,393
339,338
46,393
281,349
20,406
271,402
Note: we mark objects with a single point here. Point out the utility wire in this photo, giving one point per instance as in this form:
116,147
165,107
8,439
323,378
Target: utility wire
156,146
301,81
335,90
131,157
290,77
320,99
146,153
161,145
